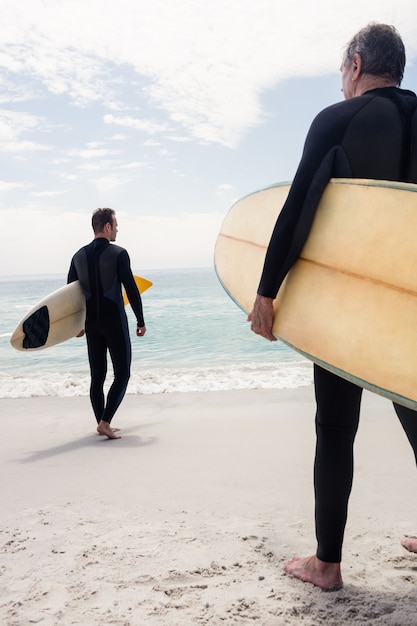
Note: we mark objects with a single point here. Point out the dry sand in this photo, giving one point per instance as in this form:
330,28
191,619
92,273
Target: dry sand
189,518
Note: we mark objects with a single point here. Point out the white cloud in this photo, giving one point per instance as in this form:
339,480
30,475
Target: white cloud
134,165
93,153
179,139
21,146
9,186
167,154
69,177
13,125
118,137
109,182
48,194
99,166
143,125
205,63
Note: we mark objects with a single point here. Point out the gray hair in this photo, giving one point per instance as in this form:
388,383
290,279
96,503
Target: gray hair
381,50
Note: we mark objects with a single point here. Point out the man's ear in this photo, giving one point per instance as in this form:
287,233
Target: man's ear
356,66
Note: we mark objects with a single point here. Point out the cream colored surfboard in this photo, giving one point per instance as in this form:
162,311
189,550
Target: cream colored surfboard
350,301
57,317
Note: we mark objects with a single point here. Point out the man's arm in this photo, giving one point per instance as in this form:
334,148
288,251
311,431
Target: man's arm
294,222
72,273
128,281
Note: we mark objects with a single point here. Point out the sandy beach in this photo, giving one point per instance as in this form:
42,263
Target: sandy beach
189,517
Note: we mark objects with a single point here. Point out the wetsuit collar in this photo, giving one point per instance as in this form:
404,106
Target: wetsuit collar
390,92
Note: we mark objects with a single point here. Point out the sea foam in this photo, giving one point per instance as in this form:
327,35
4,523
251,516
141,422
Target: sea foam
287,375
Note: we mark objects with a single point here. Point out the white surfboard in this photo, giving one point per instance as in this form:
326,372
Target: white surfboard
57,317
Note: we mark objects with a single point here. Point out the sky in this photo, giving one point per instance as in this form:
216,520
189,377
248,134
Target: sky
168,111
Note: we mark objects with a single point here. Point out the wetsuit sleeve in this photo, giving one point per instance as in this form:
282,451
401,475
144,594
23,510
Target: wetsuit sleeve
128,281
72,274
321,147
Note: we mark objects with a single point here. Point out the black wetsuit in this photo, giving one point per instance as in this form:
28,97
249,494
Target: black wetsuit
102,268
370,136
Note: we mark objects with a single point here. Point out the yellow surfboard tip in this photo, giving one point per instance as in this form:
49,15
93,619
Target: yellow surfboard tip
142,284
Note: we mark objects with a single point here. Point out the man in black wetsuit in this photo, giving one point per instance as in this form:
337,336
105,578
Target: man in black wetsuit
102,268
372,134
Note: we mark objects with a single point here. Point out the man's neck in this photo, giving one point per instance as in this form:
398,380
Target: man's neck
369,82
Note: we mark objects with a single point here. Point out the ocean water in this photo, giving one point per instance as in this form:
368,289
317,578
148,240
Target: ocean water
197,340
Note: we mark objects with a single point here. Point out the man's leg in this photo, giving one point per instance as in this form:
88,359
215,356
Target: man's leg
120,350
97,356
408,419
337,419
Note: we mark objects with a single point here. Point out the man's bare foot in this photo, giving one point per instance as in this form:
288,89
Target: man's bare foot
327,576
115,430
409,543
104,428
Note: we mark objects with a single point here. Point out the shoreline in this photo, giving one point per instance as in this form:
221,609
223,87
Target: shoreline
189,517
149,380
